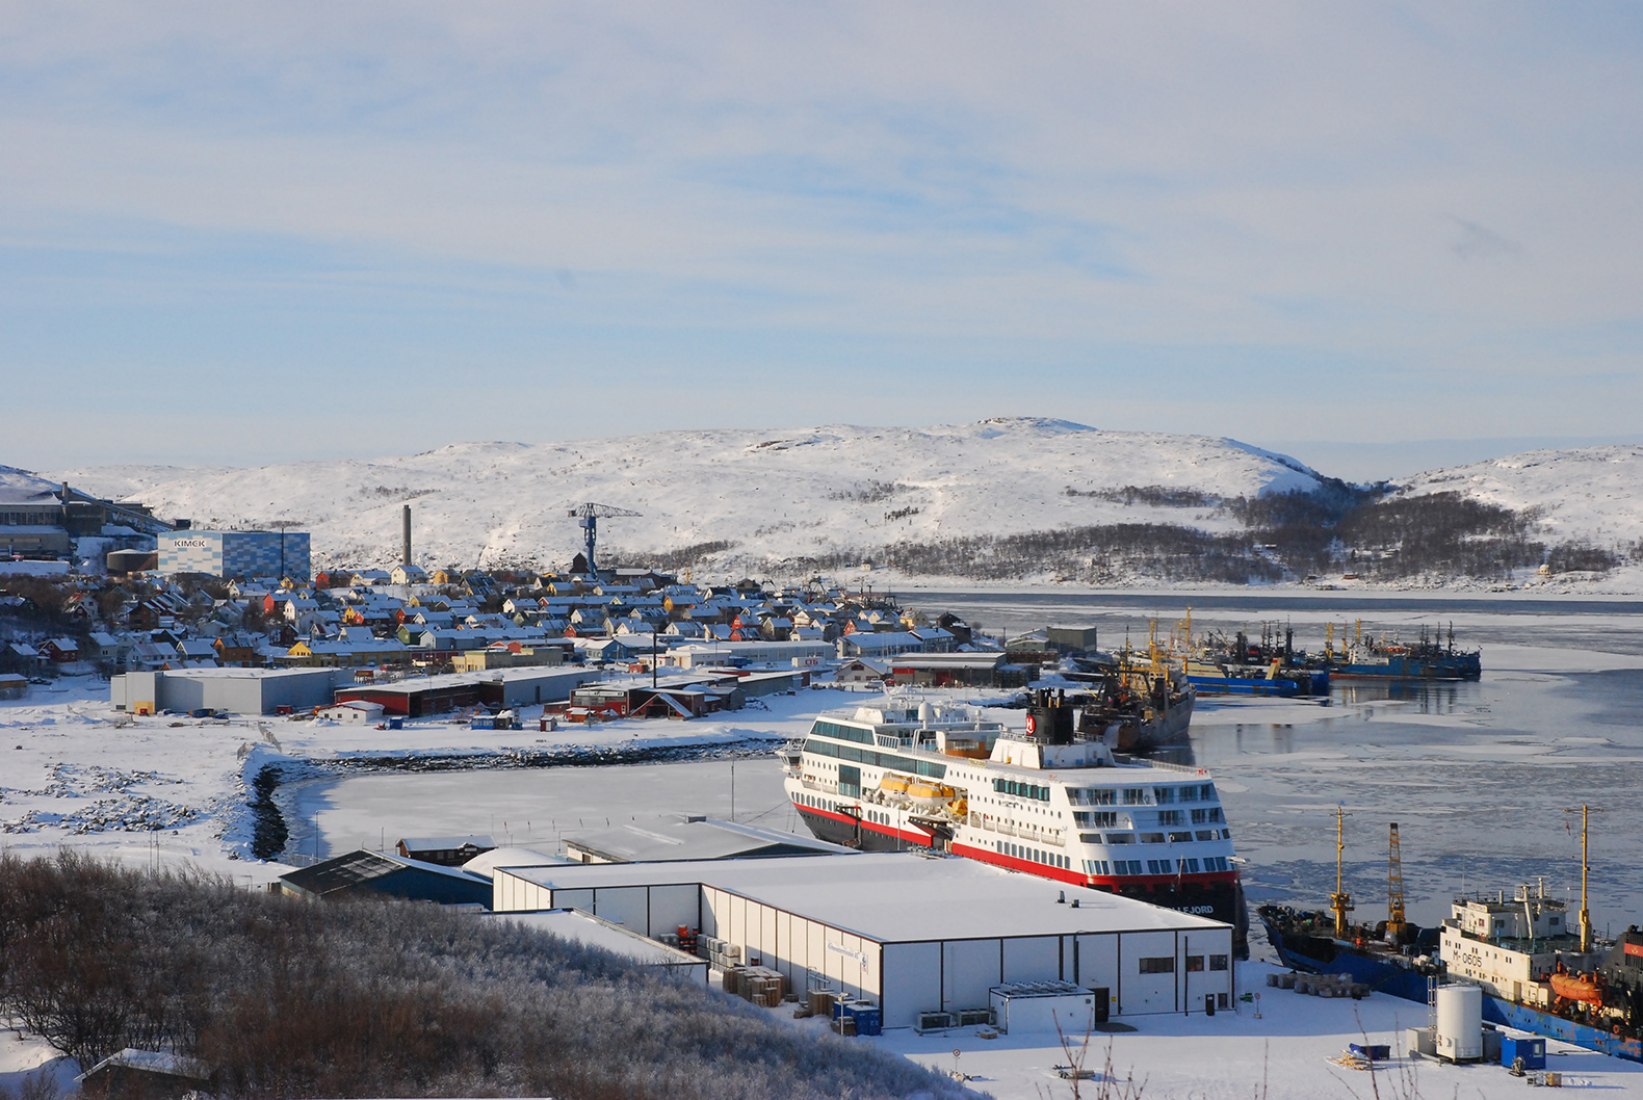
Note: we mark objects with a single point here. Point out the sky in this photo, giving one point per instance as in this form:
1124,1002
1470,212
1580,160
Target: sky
1376,236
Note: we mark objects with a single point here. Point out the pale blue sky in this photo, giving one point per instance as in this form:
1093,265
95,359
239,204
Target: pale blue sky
1374,236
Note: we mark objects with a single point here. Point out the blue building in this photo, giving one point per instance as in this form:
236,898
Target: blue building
236,553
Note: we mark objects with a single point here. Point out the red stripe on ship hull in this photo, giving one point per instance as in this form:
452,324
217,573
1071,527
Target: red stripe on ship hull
1129,885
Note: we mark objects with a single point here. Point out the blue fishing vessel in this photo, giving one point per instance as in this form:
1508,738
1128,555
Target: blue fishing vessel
1430,657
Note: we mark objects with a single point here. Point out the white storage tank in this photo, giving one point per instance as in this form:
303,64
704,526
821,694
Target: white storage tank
1460,1023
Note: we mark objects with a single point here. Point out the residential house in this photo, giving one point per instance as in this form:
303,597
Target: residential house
60,650
197,650
408,574
107,649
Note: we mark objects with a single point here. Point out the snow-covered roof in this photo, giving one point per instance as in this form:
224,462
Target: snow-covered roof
486,863
893,897
446,843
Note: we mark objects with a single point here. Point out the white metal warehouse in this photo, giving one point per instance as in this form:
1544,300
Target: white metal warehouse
915,934
240,690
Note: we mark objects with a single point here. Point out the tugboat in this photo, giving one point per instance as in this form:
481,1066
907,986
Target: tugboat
1047,800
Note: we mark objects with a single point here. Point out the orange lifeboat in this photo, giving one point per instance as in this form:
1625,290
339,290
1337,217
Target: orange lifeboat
1577,987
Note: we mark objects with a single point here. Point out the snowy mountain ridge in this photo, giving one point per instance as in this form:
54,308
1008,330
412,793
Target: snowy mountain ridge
765,497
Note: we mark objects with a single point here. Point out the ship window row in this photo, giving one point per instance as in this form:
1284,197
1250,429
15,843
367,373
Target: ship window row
1112,867
1092,796
1213,815
1021,790
930,768
1095,819
1156,867
1034,855
842,732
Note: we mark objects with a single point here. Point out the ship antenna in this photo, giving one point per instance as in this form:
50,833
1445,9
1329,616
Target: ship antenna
1340,902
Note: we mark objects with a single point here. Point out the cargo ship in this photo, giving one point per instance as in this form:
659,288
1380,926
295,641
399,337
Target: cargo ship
1391,956
1540,975
1537,972
1050,800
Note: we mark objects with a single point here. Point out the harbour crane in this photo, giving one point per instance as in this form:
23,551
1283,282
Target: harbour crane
588,516
1397,923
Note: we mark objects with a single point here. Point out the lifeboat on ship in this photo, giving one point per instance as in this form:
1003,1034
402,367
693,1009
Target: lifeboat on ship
923,793
894,786
1577,987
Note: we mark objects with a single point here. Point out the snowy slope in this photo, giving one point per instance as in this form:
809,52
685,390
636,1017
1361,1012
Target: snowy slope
17,484
774,494
780,494
1592,495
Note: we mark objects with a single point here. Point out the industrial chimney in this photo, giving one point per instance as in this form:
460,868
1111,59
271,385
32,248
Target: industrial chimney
407,560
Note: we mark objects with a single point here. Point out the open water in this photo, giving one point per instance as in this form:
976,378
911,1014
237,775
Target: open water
1480,777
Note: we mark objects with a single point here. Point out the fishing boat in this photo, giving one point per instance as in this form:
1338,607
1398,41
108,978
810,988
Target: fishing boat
1239,664
1046,800
1138,705
1431,657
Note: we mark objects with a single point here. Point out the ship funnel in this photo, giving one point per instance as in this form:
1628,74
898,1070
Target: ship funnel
1049,720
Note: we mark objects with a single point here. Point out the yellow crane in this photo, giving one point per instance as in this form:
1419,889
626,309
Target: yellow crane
1396,922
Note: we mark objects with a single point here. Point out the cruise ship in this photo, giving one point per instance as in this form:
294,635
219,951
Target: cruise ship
1047,801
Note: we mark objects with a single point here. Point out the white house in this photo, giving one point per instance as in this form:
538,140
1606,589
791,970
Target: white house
356,713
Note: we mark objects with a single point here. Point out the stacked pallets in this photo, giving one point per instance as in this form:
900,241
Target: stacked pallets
721,954
764,987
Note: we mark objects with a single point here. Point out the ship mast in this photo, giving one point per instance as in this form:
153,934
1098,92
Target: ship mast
1585,869
1340,902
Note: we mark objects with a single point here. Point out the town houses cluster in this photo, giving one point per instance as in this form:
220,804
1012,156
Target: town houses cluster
406,621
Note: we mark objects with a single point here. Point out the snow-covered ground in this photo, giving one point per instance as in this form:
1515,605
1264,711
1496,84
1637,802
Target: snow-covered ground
167,791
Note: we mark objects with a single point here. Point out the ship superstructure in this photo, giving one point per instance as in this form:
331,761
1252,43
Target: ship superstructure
1043,800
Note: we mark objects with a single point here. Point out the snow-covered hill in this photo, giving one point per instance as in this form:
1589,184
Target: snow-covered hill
772,494
777,495
1592,495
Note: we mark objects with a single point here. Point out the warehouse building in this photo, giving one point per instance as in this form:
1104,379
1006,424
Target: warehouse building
383,874
237,690
497,689
982,669
235,553
917,935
